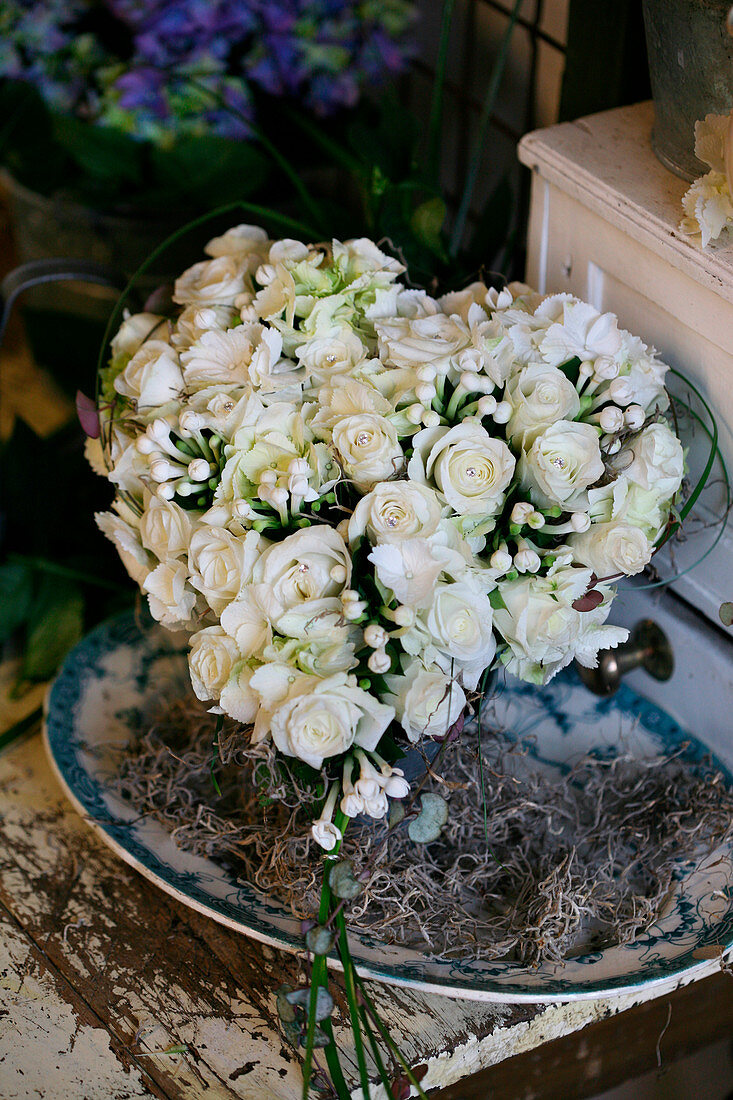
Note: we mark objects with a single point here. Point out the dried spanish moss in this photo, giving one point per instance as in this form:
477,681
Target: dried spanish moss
572,864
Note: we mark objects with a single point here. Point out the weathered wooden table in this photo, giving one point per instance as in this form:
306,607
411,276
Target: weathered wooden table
109,990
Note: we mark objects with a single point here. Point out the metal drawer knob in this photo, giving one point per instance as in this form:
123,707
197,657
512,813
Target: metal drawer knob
647,648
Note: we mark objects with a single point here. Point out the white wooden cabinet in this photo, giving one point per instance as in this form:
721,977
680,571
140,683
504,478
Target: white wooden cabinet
604,224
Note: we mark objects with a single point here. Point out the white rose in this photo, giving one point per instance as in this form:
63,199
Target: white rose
539,396
658,461
612,548
470,468
153,375
426,701
368,449
135,331
126,539
427,340
460,624
623,500
394,511
326,356
165,528
303,577
211,659
211,282
169,596
562,462
327,718
221,563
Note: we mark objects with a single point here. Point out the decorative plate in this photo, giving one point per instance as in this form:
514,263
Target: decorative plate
111,678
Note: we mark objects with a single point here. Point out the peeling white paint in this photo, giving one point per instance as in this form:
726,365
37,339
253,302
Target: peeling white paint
45,1050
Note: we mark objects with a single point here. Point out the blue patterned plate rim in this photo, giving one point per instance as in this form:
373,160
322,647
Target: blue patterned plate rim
692,952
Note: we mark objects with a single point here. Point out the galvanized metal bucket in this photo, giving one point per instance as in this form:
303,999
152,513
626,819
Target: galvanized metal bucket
690,46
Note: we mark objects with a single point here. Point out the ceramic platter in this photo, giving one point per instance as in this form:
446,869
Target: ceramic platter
113,677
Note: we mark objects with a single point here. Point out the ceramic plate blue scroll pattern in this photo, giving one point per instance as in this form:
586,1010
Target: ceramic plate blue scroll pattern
113,677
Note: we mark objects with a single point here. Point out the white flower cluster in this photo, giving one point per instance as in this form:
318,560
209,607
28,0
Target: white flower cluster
708,204
356,498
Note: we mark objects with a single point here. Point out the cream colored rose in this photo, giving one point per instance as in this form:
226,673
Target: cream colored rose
239,241
408,343
327,718
459,623
304,576
211,282
470,469
169,596
368,449
561,463
221,563
153,375
394,511
165,528
126,539
426,701
539,396
211,659
136,330
612,548
657,461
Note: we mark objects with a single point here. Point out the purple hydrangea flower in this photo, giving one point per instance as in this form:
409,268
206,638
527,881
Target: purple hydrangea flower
189,66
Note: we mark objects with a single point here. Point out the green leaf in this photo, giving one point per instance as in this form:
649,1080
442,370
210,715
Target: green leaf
496,600
104,153
342,881
396,812
324,1001
726,613
56,625
320,940
427,825
16,594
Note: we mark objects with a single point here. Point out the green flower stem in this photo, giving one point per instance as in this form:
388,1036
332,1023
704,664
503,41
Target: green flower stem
319,971
374,1046
457,396
369,1007
351,997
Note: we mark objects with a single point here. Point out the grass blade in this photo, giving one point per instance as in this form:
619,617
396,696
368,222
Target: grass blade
369,1005
486,111
436,106
351,997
